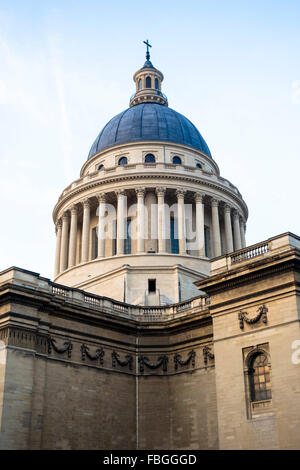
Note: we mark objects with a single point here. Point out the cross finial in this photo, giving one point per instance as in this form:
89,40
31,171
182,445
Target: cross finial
147,52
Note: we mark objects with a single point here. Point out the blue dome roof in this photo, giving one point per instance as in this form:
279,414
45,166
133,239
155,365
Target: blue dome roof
149,121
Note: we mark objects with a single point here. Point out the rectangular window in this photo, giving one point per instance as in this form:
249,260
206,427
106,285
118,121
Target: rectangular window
151,285
94,243
174,236
127,241
206,241
114,239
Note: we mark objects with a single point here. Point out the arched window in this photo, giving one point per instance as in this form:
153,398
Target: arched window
176,160
148,82
149,158
156,84
122,161
140,84
198,165
100,167
259,378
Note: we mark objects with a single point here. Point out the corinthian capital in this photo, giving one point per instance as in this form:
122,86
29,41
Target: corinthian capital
160,192
66,215
58,225
74,209
198,197
86,203
102,198
214,202
120,192
180,193
140,192
235,214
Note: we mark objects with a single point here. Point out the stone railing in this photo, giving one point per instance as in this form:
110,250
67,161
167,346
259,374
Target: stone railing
278,244
251,252
135,312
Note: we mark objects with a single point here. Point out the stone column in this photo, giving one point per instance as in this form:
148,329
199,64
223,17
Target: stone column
73,236
228,229
161,225
140,192
199,224
101,225
236,231
58,248
121,220
216,227
181,221
85,242
243,229
64,242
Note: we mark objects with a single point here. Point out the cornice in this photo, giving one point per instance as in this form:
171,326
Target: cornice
123,178
235,279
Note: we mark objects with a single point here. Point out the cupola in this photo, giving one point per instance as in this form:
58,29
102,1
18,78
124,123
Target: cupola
148,84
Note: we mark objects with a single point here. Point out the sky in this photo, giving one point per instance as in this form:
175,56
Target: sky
66,68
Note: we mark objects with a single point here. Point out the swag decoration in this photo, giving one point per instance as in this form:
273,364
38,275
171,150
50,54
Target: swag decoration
190,359
66,347
262,314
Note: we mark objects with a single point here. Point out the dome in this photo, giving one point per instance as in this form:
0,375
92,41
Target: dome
149,121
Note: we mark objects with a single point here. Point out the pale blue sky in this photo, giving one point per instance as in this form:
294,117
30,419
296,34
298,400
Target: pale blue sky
66,68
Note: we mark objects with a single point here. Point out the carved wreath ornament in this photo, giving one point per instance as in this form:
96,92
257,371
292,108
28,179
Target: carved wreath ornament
144,362
66,347
179,362
262,314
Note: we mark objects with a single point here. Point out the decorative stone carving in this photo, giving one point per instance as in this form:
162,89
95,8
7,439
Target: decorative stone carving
67,347
85,352
207,354
74,209
120,192
66,216
160,192
198,197
116,360
262,314
214,202
140,192
86,203
236,214
190,359
180,193
144,362
102,198
58,225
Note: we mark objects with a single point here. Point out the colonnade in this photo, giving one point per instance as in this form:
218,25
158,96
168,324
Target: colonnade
67,226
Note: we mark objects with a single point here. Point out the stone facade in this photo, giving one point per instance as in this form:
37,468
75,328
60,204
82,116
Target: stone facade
79,371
